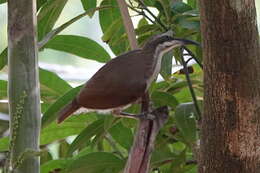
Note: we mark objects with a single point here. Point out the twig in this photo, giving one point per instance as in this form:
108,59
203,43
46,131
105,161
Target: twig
56,31
112,143
141,13
156,18
193,56
129,27
198,117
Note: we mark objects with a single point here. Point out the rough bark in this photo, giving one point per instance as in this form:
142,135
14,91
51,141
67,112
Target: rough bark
24,101
230,140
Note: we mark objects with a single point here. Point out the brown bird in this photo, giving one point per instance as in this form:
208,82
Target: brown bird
124,79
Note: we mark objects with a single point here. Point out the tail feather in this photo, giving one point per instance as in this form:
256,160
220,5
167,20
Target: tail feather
67,110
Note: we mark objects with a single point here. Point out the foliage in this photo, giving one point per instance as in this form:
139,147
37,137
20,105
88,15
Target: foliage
102,142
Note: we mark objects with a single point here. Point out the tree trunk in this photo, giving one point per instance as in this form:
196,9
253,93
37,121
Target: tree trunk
24,100
230,139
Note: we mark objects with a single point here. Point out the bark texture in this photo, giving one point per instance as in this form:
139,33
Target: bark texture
24,101
230,140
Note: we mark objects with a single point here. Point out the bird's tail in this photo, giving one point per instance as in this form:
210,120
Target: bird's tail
67,110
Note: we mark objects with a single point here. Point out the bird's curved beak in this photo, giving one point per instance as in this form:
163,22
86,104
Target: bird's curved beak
186,42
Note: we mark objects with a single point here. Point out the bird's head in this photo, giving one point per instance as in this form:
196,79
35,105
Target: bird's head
164,43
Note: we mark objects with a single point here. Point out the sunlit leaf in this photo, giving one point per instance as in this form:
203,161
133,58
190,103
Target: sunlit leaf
4,143
80,46
3,58
48,16
3,89
106,18
88,4
51,84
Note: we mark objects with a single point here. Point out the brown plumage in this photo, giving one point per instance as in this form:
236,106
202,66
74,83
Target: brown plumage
123,80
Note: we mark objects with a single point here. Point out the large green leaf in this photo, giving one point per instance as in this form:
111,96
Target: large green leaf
88,4
80,46
3,89
57,132
122,135
48,16
51,113
186,121
96,163
91,130
3,58
108,17
52,85
164,99
2,1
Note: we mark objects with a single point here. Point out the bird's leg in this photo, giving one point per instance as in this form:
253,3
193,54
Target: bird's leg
145,110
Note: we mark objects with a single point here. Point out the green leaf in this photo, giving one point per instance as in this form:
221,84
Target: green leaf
106,18
164,99
80,46
180,7
186,122
51,84
45,157
88,4
63,149
166,65
122,135
3,58
4,143
111,30
86,134
142,22
2,1
96,163
57,30
192,3
54,164
40,3
180,84
48,16
56,132
189,23
51,113
3,89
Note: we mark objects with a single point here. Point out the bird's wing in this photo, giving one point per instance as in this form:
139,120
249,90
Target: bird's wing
119,82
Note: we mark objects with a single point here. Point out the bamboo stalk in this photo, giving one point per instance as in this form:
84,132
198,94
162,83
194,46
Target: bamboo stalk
24,99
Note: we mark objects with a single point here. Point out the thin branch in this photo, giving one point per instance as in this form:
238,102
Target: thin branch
156,18
129,27
193,56
56,31
141,13
112,143
198,117
166,29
